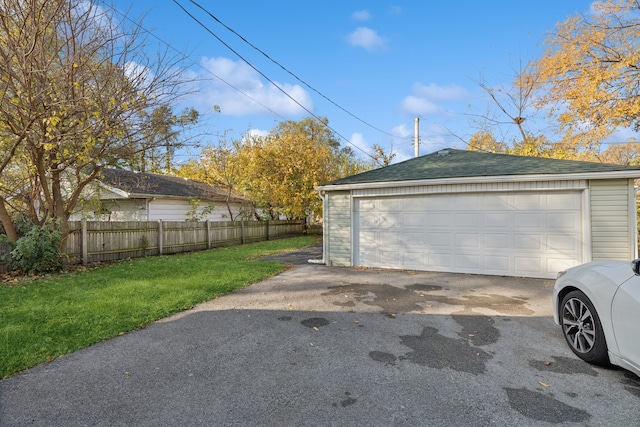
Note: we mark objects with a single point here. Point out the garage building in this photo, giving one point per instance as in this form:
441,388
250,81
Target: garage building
482,213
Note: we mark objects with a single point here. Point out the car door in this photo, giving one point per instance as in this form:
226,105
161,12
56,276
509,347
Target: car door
625,315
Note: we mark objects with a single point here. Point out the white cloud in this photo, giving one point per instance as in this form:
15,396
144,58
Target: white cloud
257,132
395,10
366,38
420,106
425,99
623,135
239,90
357,140
435,92
361,15
402,131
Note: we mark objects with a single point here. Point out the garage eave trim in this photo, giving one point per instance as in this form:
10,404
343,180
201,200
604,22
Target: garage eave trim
623,174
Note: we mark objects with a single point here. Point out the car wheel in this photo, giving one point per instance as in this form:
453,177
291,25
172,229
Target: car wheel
582,328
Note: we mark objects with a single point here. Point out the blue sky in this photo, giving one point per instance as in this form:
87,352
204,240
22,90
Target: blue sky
385,63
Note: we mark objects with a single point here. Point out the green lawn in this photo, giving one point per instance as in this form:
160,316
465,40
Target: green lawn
45,318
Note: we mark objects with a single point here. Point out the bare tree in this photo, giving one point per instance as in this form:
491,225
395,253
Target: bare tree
75,88
513,102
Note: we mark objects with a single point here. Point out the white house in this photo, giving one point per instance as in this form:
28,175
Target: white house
483,213
132,196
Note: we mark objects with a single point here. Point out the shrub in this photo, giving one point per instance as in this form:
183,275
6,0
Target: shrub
38,251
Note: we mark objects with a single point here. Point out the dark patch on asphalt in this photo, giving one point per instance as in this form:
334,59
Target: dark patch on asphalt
563,365
345,304
439,352
631,383
478,329
315,322
541,407
284,318
381,356
392,299
346,402
423,288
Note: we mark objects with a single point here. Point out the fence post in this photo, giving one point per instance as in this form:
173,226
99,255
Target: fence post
267,229
208,234
160,237
242,232
84,242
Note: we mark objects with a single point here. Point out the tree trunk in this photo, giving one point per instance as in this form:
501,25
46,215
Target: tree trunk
7,223
59,212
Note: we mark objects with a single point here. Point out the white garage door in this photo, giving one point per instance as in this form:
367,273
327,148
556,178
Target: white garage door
515,234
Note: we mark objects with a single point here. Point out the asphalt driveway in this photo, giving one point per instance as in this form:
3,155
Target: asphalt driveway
319,345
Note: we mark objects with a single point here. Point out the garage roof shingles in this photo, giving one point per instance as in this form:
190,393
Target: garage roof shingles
453,163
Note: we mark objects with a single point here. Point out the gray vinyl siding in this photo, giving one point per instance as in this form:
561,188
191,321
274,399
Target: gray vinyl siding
338,228
613,219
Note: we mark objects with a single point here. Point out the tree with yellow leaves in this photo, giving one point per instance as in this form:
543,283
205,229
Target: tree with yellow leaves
590,72
75,88
279,171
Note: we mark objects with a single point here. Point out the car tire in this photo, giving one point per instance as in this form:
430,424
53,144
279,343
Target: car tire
582,329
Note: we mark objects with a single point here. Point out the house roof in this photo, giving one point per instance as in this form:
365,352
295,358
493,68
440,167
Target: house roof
463,165
145,185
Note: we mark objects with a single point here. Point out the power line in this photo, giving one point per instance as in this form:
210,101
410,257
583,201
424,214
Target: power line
267,78
205,69
288,71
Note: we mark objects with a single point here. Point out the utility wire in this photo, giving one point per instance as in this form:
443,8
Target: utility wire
267,78
185,57
289,72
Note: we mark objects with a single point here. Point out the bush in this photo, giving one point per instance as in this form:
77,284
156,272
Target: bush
38,251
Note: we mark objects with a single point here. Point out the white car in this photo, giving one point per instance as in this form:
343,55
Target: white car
597,304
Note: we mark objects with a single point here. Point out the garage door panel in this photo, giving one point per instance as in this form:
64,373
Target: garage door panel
520,234
467,240
468,261
414,259
440,202
562,221
497,241
387,222
414,204
527,242
369,222
390,239
391,258
531,201
468,220
496,263
440,260
528,264
390,210
496,220
413,220
438,221
440,239
531,220
419,240
563,243
464,201
562,200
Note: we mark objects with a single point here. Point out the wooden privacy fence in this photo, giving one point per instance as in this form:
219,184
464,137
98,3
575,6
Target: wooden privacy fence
95,241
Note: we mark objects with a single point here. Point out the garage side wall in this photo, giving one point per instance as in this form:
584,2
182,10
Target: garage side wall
338,228
613,219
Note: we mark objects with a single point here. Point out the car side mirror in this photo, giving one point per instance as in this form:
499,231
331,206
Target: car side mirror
635,266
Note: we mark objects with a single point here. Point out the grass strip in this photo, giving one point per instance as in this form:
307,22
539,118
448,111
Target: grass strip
41,319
